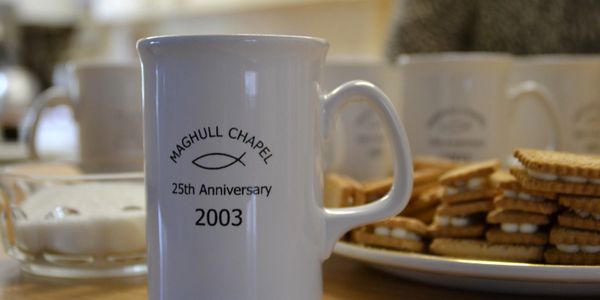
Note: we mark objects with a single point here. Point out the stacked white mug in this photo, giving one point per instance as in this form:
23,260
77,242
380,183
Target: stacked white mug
460,106
105,98
573,82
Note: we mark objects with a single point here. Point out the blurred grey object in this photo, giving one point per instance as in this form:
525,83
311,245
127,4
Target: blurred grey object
18,86
515,26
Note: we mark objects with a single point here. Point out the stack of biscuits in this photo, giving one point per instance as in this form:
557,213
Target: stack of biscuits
339,190
406,231
401,233
426,190
467,196
546,210
521,218
575,238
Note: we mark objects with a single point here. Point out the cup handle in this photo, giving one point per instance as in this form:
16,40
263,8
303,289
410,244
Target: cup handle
51,97
340,220
544,97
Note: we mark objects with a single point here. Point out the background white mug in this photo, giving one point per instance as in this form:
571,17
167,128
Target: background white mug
359,146
574,84
233,130
105,98
458,105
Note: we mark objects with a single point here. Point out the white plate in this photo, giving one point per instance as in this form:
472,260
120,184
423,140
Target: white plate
478,274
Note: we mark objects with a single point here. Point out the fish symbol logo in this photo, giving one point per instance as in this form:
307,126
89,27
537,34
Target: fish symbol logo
217,161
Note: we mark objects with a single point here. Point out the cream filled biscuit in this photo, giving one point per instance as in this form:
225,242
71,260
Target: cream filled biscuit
461,175
478,249
397,233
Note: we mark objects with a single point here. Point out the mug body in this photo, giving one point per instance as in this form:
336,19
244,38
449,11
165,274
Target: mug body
574,85
232,132
359,147
108,110
455,105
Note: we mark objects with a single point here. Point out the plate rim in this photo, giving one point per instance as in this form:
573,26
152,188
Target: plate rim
469,267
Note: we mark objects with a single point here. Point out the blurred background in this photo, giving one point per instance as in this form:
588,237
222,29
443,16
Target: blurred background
38,37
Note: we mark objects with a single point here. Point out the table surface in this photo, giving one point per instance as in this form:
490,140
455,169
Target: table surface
343,279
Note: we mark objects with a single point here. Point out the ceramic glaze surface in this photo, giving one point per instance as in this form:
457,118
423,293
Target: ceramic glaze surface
460,106
573,82
106,102
233,128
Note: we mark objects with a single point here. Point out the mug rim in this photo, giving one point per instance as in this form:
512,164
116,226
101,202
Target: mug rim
558,59
212,38
355,60
453,57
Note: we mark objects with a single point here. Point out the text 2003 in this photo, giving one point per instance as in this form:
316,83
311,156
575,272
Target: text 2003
221,217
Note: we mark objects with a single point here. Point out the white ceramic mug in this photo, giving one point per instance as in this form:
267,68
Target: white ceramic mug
359,146
458,105
105,98
233,130
574,83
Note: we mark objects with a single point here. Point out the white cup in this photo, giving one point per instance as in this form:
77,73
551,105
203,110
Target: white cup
459,105
105,98
359,146
574,86
233,130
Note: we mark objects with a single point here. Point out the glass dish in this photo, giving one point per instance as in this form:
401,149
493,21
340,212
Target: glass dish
58,222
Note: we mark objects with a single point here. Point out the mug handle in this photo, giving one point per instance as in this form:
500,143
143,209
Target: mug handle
340,220
51,97
538,92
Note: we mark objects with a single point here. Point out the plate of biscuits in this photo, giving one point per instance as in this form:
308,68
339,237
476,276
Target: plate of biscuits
532,228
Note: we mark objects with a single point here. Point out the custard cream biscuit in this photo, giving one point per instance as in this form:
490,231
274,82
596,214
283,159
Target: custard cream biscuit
569,167
408,224
517,227
462,196
426,216
502,178
463,222
339,190
427,175
421,189
460,220
461,175
397,233
555,186
373,190
568,236
556,256
477,249
434,162
433,194
462,231
540,207
423,180
503,216
573,246
415,205
586,204
424,201
500,236
579,220
469,182
511,188
465,208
